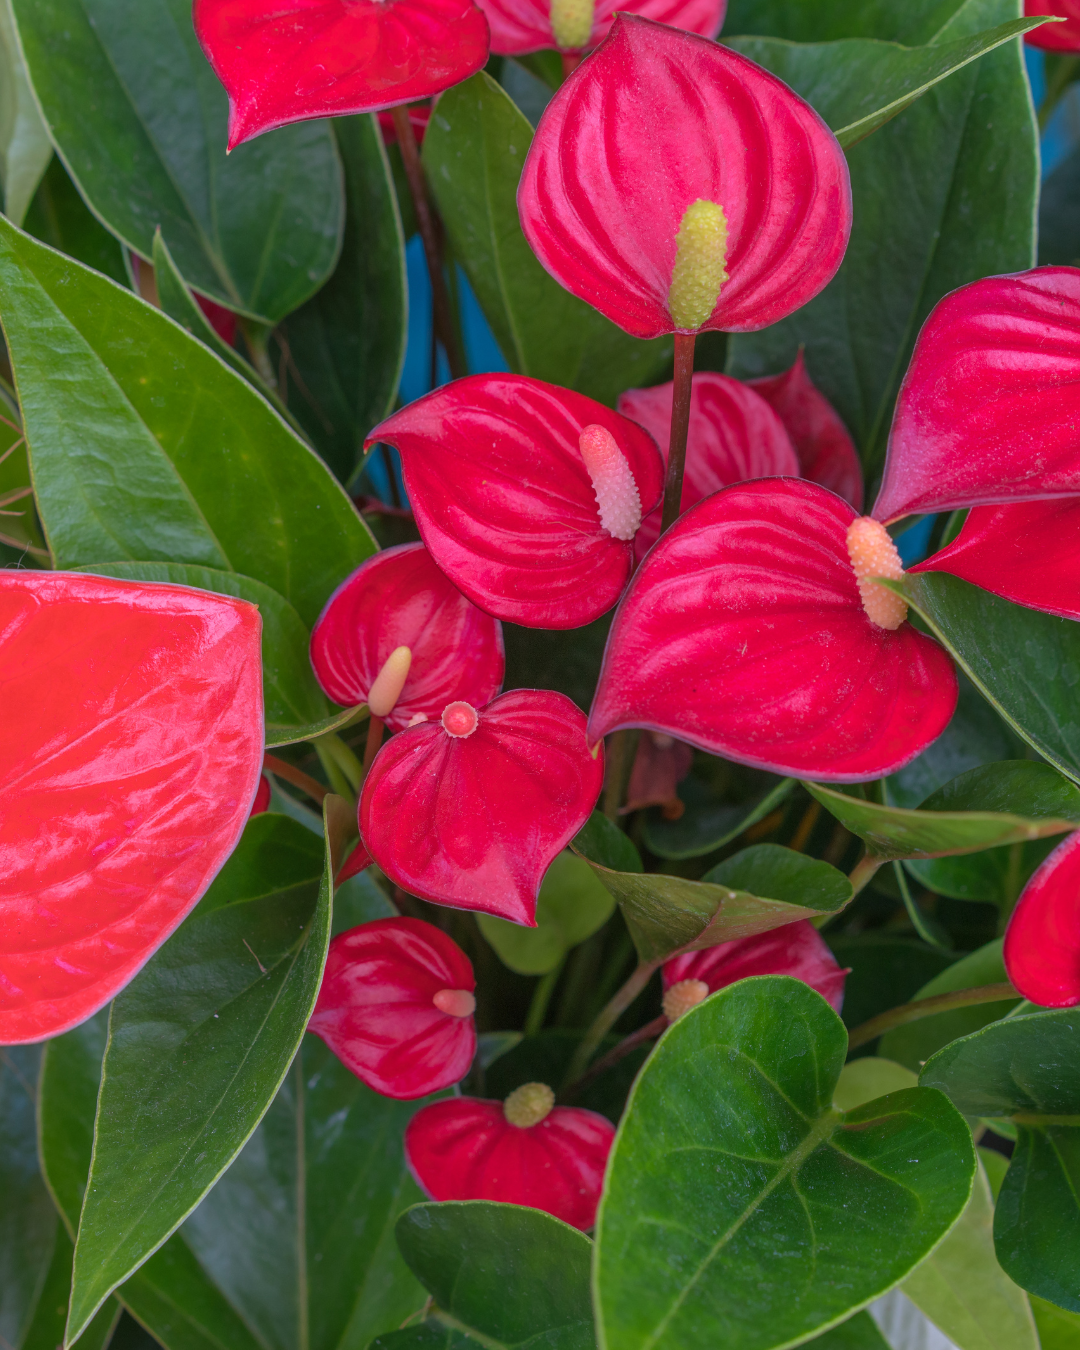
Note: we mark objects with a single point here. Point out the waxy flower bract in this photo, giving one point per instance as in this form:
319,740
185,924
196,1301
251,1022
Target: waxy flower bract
290,60
668,170
130,753
520,26
1042,941
504,500
1055,37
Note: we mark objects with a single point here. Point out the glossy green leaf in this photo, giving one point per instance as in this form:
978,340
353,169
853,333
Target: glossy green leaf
140,121
572,905
1058,1329
501,1276
25,148
151,449
602,841
311,731
59,217
913,23
474,151
20,532
199,1043
857,1333
740,1208
864,1080
996,876
705,826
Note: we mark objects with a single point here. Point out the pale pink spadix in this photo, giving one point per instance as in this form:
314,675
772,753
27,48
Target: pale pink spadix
873,554
613,482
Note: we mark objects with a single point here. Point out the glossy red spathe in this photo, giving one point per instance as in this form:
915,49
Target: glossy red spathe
611,173
395,1006
520,26
298,59
1055,37
743,633
466,1149
130,753
1042,941
262,797
474,818
504,501
399,598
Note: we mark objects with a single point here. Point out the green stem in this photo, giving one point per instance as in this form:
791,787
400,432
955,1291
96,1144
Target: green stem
541,998
928,1007
607,1017
864,872
343,757
338,782
914,913
295,776
257,341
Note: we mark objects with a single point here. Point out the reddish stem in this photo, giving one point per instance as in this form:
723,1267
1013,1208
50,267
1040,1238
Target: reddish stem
280,769
680,423
373,743
570,62
649,1032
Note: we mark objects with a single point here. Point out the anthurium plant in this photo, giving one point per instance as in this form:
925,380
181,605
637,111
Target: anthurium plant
539,675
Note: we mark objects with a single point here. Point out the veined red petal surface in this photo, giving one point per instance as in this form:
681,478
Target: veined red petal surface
744,634
290,60
399,598
130,752
466,1149
1042,942
989,410
1055,37
376,1008
797,949
734,435
826,452
475,820
519,26
611,173
503,499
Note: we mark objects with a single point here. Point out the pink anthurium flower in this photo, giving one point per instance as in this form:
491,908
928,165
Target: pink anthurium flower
528,495
753,630
1042,941
399,598
1055,37
285,61
520,26
719,201
396,1006
524,1151
131,747
471,810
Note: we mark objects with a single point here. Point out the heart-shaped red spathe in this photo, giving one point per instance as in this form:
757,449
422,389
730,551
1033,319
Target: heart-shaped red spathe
475,821
989,408
734,435
399,598
466,1149
130,753
1042,941
611,173
1055,37
503,499
797,949
296,59
520,26
743,633
377,1007
826,452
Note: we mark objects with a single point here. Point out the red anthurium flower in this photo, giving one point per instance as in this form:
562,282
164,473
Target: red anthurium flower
524,1151
396,1006
130,752
528,495
262,797
359,860
519,26
753,631
223,321
1055,37
721,200
285,61
660,765
1042,942
399,598
797,949
470,810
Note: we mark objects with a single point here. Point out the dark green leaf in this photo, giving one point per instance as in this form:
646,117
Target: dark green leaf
25,148
140,121
996,876
913,23
601,841
885,972
19,528
740,1208
60,218
1059,214
474,151
783,874
567,661
706,826
857,1333
546,1058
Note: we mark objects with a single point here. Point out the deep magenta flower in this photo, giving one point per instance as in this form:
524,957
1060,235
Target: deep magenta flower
524,1151
1055,37
396,1006
396,599
520,26
1042,941
285,61
676,186
471,810
528,495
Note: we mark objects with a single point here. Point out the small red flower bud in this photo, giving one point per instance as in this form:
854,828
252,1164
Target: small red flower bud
1042,941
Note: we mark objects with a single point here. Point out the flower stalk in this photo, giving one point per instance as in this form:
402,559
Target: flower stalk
680,425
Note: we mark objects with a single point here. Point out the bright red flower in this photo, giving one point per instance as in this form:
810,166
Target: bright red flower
470,811
285,61
719,200
223,321
130,752
419,117
359,860
525,1151
399,598
262,796
396,1006
519,26
1042,942
749,632
524,504
1055,37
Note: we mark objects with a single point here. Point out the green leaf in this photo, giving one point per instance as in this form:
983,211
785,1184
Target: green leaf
706,826
546,1058
571,907
740,1208
864,1080
885,972
1058,1329
857,1333
150,449
343,351
19,528
199,1043
25,148
1059,214
914,23
510,1275
140,119
59,217
474,151
293,735
601,841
